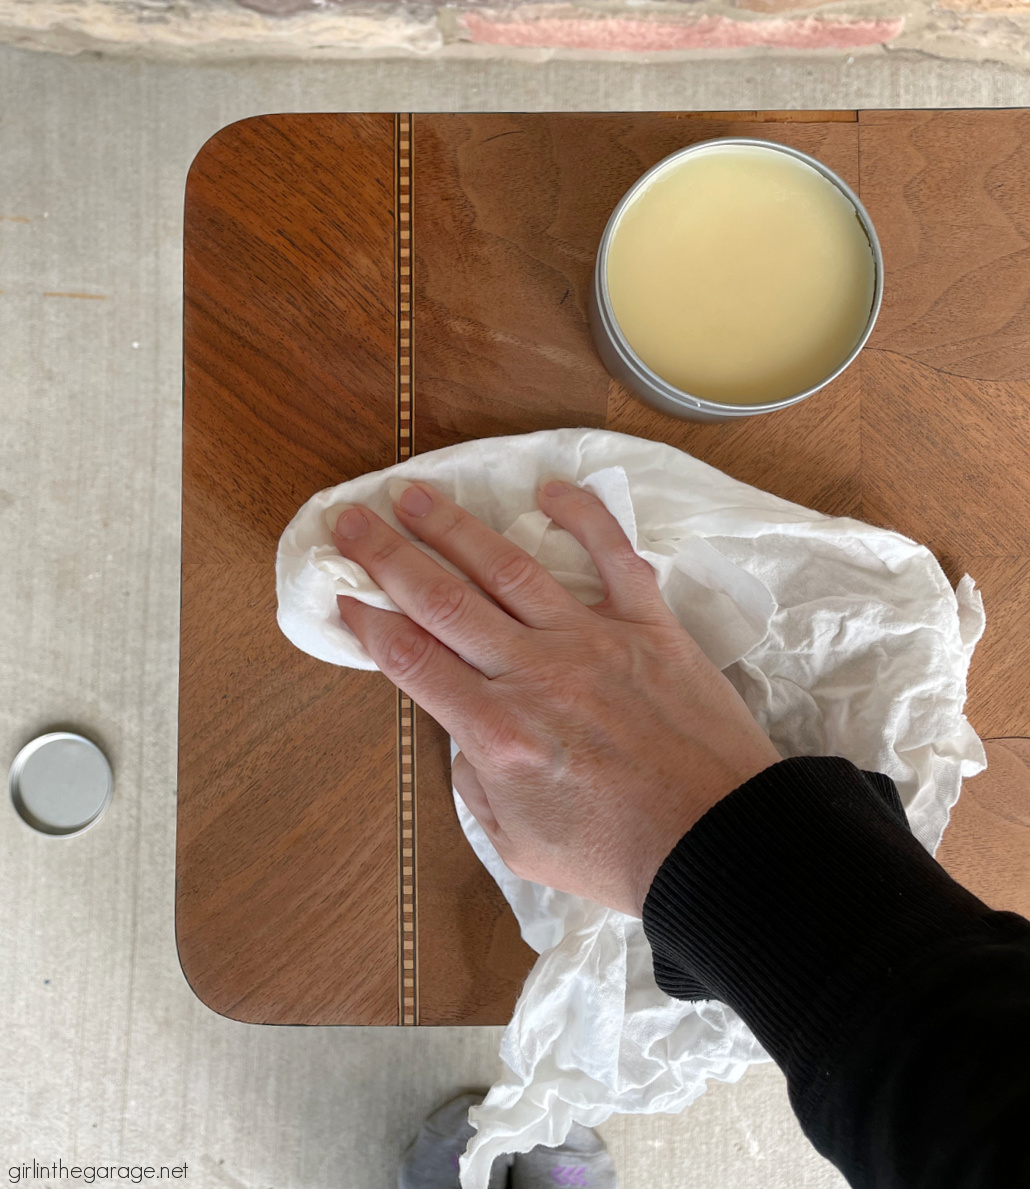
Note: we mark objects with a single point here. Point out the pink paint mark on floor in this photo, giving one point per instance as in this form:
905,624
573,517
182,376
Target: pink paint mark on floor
705,33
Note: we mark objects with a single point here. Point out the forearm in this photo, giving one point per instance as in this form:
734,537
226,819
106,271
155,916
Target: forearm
803,902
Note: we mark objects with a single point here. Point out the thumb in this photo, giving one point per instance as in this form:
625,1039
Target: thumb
467,784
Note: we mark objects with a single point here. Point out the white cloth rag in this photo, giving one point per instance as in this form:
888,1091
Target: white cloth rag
843,639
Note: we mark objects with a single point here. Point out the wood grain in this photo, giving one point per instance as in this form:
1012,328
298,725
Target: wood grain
987,845
753,449
946,378
472,961
286,862
766,117
997,683
290,850
288,323
949,193
943,457
285,844
500,255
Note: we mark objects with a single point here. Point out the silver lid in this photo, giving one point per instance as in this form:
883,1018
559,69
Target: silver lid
60,783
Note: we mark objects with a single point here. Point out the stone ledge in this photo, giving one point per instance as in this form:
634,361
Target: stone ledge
631,30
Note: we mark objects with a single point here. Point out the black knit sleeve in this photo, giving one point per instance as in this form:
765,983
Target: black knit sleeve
896,1003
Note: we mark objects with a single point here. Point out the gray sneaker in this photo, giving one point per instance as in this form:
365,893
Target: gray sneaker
582,1160
432,1160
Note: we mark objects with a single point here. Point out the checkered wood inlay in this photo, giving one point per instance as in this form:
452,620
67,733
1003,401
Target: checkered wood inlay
407,835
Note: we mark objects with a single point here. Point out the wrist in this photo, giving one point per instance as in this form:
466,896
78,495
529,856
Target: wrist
687,811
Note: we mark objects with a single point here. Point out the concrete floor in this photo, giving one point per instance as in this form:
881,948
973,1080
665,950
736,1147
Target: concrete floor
107,1057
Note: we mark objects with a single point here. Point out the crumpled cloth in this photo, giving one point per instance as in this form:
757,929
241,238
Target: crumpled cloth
843,639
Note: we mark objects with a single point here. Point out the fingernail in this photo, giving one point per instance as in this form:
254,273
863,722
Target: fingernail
412,499
350,524
333,514
555,488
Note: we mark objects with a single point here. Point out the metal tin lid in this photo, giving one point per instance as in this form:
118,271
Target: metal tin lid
60,783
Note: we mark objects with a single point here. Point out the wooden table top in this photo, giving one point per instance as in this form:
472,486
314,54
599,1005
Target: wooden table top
362,287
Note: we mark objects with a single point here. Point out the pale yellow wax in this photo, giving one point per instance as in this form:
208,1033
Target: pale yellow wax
741,275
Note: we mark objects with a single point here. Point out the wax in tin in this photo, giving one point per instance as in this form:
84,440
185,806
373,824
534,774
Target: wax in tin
741,275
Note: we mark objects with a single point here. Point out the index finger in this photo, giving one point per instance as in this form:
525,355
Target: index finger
444,685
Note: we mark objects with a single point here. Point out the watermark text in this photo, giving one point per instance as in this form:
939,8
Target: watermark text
90,1174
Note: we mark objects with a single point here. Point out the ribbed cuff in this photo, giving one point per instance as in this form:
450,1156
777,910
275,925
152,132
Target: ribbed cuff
798,900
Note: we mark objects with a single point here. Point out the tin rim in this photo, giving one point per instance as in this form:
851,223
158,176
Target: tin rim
26,814
650,377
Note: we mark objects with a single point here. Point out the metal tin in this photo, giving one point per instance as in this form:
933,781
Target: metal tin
60,784
623,362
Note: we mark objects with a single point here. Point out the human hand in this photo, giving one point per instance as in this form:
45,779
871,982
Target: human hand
592,738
